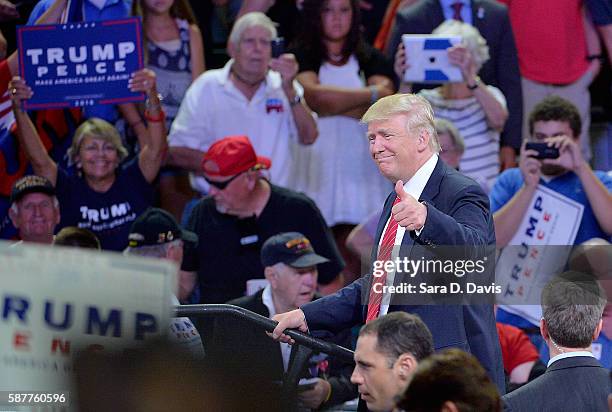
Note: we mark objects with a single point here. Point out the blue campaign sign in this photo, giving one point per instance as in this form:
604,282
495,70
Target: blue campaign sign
80,64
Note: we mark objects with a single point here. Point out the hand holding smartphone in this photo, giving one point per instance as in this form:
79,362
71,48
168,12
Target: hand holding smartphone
544,151
306,384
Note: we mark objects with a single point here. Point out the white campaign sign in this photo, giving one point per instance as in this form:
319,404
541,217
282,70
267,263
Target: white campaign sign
57,301
538,250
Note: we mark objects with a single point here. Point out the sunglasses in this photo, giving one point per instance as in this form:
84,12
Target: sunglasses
221,185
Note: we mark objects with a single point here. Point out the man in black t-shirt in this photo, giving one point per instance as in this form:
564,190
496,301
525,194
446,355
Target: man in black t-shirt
243,210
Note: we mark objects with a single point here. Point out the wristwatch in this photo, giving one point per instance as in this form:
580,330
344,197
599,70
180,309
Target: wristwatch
475,85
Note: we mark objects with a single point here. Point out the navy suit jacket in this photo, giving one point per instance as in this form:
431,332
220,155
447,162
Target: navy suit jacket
502,71
571,384
458,214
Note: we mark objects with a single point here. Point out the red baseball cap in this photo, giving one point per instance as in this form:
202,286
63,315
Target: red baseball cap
232,155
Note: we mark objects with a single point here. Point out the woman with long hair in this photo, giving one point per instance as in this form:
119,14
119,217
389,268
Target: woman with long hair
342,76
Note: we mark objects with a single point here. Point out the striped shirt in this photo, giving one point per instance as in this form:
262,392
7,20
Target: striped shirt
481,158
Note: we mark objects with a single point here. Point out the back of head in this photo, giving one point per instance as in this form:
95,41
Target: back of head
572,306
555,108
398,333
77,237
450,376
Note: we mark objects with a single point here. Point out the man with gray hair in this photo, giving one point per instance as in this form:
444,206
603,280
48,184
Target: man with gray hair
255,94
433,207
156,234
572,306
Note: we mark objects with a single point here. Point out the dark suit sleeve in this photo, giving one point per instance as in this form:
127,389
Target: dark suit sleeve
336,312
506,405
468,222
509,82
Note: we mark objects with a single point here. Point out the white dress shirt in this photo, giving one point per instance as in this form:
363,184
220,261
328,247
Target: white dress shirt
414,187
285,348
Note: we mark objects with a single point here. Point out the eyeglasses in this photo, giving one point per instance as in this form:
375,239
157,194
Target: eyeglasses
221,185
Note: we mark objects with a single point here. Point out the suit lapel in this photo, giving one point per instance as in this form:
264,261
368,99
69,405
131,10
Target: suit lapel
432,188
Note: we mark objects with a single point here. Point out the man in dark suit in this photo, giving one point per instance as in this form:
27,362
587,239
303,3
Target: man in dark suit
572,306
502,71
451,211
290,266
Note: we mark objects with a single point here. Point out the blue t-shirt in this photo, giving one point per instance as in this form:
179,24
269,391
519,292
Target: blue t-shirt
568,184
109,215
113,9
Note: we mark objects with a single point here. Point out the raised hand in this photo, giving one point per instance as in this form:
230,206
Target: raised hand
288,67
19,90
400,65
460,56
143,81
530,167
570,156
408,212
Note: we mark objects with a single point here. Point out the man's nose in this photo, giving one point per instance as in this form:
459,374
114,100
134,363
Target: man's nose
356,377
37,210
376,145
213,190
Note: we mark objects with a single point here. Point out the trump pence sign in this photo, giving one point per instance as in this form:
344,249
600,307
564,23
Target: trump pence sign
80,64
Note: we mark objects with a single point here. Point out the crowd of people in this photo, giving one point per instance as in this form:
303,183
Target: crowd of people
275,179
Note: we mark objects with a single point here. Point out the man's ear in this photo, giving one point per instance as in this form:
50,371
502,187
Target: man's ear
58,215
231,49
405,365
423,140
598,330
544,329
271,275
14,217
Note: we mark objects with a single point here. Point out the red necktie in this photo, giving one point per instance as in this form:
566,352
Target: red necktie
457,11
384,254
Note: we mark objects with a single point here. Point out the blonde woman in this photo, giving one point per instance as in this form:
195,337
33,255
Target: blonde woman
104,196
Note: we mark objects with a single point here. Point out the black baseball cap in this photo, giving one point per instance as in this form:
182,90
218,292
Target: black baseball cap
290,248
155,227
31,184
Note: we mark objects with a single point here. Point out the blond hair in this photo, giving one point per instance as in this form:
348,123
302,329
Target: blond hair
97,129
419,114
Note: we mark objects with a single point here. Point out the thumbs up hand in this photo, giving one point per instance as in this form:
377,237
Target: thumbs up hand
408,212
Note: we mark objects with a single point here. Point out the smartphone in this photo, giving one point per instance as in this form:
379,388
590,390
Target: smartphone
544,151
306,384
278,47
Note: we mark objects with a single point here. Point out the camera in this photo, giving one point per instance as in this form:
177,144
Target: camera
278,47
544,151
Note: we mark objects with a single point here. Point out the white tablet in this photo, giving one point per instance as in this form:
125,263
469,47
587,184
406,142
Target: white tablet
428,59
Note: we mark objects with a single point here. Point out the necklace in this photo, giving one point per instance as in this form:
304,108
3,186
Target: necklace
243,80
336,58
